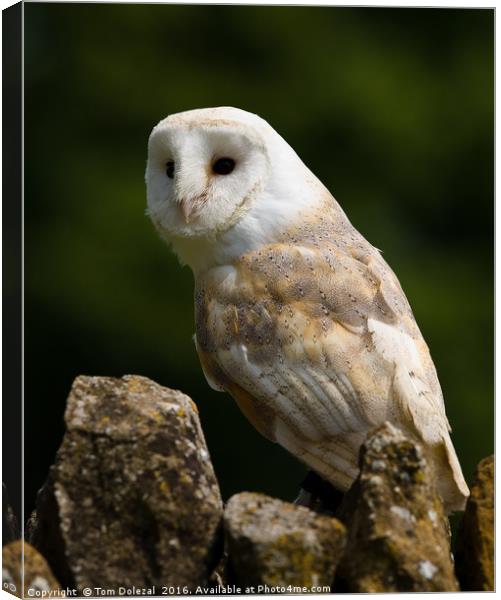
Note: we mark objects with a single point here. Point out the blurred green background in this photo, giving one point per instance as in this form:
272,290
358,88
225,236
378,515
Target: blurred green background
391,108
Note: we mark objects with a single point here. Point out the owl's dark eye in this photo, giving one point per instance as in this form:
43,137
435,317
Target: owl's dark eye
223,166
169,169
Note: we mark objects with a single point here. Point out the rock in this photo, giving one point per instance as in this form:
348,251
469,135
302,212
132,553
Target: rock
475,541
132,500
38,577
10,528
398,537
277,544
43,531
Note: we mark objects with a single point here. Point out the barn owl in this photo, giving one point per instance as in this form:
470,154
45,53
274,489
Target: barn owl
297,316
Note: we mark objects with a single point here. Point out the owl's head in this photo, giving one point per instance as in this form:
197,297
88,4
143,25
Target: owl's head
204,167
223,177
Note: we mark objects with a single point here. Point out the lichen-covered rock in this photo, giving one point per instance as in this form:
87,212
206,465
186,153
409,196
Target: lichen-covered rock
398,538
38,578
132,499
278,544
475,542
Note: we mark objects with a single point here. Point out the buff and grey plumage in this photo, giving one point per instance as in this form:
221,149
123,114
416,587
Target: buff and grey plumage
298,317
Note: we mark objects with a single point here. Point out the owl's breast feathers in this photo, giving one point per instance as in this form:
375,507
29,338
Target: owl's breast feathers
316,342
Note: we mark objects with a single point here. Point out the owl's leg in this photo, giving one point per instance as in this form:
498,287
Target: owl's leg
319,495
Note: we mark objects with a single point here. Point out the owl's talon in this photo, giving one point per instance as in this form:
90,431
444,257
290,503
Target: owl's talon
319,495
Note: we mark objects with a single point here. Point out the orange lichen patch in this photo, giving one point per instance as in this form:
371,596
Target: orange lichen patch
185,478
157,416
135,384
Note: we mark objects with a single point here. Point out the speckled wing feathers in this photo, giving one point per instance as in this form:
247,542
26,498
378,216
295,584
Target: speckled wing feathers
317,343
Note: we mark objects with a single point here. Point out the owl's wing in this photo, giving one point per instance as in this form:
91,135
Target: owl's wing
397,339
416,388
318,345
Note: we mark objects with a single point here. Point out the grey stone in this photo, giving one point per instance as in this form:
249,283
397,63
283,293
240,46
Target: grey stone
132,499
278,544
398,537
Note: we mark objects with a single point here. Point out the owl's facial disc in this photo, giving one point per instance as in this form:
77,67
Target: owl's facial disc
202,175
191,206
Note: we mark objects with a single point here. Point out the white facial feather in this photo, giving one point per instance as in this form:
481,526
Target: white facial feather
298,317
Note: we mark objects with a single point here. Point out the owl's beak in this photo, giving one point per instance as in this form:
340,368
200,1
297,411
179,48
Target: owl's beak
190,207
187,209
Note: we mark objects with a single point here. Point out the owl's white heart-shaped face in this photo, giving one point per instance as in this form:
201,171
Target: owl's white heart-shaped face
221,181
204,168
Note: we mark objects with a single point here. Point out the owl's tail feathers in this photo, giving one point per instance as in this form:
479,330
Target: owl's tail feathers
450,482
337,463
